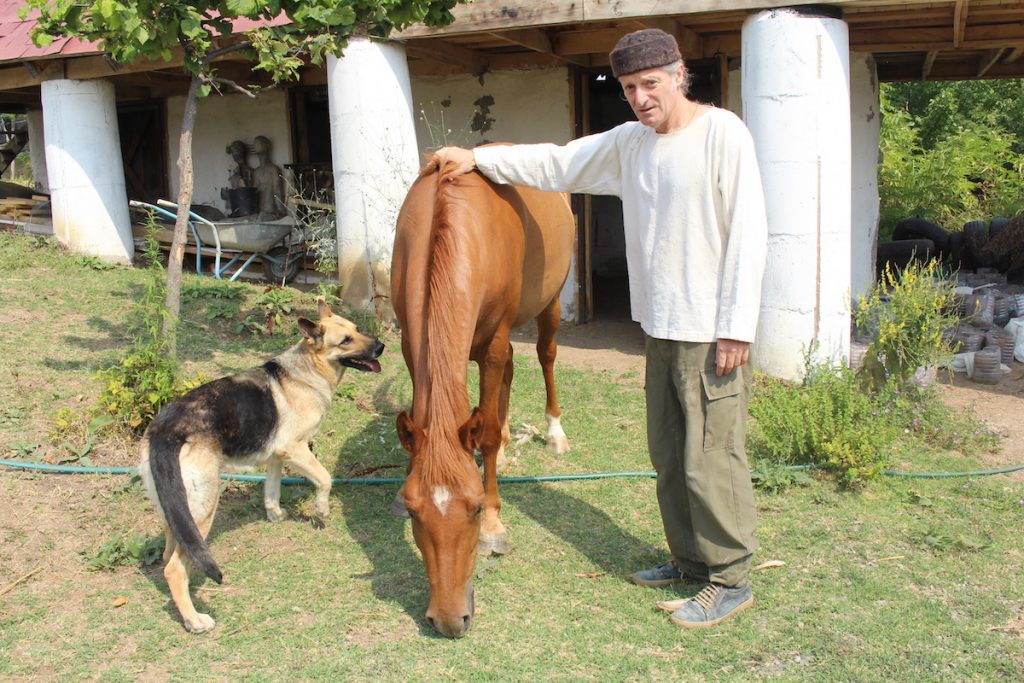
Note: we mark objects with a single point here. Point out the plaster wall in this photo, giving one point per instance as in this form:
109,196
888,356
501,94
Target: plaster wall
527,106
509,106
219,120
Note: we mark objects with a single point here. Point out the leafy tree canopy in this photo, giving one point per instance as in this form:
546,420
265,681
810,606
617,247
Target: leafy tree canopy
289,30
939,109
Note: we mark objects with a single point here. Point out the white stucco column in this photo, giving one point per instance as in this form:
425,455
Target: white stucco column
37,149
374,152
796,103
865,132
84,169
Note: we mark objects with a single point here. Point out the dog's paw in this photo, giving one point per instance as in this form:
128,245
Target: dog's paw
277,515
201,624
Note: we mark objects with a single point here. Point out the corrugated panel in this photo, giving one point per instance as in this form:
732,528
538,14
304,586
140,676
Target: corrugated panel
16,42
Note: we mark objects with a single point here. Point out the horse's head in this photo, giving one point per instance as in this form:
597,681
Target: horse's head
444,503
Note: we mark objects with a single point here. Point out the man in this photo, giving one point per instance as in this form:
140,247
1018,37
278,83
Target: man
696,233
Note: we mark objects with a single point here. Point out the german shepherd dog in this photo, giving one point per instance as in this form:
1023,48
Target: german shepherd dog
265,415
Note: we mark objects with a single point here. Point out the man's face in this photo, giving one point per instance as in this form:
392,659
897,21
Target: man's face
655,96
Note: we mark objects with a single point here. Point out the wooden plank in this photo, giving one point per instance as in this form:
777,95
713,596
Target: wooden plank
988,61
929,61
959,21
447,53
490,15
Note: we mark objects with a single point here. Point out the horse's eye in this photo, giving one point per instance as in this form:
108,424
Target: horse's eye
479,511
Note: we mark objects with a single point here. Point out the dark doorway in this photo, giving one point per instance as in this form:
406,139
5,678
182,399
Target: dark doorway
142,130
311,138
604,254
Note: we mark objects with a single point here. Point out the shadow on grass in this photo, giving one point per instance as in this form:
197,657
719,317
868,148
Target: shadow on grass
585,527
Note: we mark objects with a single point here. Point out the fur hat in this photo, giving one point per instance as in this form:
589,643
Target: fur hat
644,49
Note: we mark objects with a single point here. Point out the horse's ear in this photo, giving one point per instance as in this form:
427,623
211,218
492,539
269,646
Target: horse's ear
310,330
324,309
409,434
471,431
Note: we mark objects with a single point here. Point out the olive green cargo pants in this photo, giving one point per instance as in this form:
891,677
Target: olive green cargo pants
696,426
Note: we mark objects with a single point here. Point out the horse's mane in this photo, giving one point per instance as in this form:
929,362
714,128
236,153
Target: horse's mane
447,401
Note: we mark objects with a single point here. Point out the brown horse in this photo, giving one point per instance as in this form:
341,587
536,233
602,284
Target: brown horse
472,260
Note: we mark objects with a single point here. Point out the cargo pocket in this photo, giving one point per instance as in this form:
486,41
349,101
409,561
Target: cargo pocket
721,407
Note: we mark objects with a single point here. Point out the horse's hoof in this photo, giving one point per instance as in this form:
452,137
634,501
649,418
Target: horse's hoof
277,515
558,444
492,545
398,507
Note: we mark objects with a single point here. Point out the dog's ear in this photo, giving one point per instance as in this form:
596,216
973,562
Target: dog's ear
324,309
409,434
472,430
311,330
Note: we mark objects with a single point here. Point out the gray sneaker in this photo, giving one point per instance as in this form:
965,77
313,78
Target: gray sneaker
712,606
662,575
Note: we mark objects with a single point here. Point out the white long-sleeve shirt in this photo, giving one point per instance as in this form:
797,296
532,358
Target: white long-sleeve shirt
693,213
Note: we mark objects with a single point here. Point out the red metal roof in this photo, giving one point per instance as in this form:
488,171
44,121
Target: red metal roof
16,42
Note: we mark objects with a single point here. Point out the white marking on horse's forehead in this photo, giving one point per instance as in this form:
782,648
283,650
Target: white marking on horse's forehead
442,496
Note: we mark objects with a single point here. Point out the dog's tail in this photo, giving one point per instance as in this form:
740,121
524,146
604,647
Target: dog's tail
170,489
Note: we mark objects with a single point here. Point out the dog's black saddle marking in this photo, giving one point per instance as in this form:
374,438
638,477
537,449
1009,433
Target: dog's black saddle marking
239,412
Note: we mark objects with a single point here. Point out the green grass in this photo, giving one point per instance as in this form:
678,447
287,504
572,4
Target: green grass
899,580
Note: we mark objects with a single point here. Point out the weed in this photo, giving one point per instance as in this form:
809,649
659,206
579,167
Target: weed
276,303
95,263
125,550
772,477
147,377
906,314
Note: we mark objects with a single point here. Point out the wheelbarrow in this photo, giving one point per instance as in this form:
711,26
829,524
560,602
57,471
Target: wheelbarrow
236,242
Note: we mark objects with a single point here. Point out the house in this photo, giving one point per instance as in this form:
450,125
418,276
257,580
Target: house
804,77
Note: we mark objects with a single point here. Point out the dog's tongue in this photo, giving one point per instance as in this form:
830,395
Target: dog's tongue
373,365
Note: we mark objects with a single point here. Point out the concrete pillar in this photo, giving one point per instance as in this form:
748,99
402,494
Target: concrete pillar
865,131
796,102
374,152
84,169
37,149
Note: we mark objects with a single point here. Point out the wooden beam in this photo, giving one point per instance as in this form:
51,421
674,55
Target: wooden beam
491,15
533,38
447,53
929,61
988,61
539,41
690,42
1013,55
959,21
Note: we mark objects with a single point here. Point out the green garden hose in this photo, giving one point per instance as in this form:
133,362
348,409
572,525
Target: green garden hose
78,469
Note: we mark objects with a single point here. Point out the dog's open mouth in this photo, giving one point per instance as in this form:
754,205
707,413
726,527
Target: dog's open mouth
361,364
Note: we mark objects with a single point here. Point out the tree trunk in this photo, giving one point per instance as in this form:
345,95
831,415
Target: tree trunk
186,182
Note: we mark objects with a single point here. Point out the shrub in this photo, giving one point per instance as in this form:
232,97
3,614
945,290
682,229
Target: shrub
906,314
147,377
823,422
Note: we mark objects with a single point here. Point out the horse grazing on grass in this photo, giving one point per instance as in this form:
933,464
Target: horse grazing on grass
471,261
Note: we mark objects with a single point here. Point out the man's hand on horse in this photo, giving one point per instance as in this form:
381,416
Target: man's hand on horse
452,161
729,355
